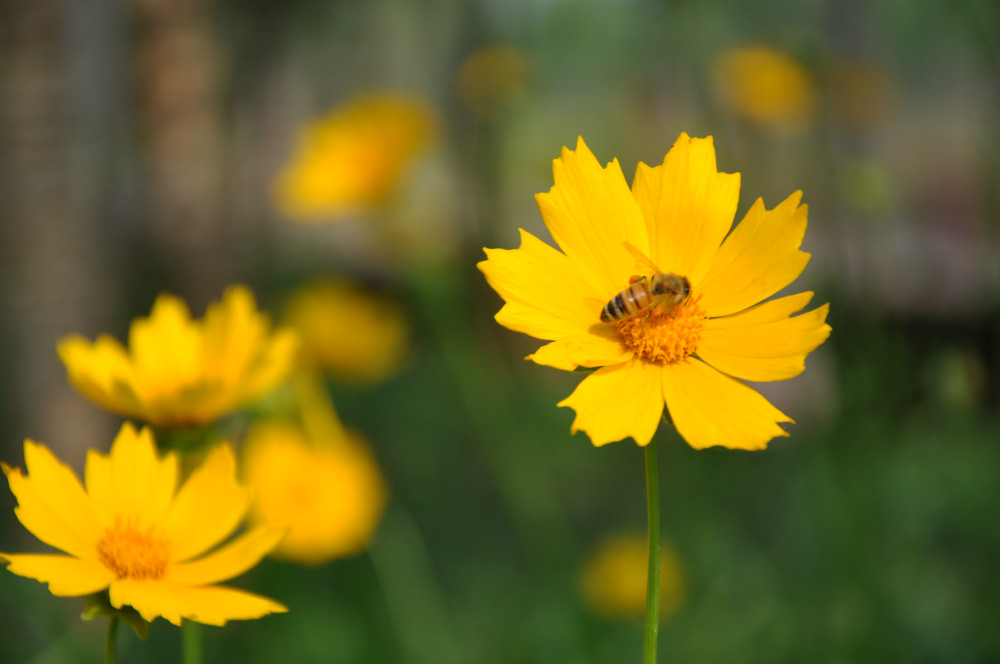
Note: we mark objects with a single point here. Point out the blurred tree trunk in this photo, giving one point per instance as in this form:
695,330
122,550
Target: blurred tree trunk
52,278
177,82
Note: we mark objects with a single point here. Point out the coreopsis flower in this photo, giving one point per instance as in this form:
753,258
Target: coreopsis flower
765,86
353,157
613,577
132,532
352,333
694,347
317,479
182,372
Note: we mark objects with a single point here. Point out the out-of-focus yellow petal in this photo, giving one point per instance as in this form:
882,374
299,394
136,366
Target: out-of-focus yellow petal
211,605
348,330
274,363
67,576
166,349
709,408
760,257
142,485
618,401
765,86
101,372
233,333
613,578
546,295
591,213
209,506
322,483
765,343
353,157
598,349
230,560
52,504
688,207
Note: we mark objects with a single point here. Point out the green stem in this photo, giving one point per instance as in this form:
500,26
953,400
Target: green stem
111,641
653,574
191,635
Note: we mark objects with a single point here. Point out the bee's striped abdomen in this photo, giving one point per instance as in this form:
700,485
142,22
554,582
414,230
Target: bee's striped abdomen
634,299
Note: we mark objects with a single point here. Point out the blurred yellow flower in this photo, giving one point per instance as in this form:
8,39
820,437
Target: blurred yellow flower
765,86
677,216
492,79
613,578
352,333
133,533
353,157
181,372
318,480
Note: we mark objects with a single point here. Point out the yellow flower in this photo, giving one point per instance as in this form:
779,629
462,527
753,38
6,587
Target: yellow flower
319,480
678,215
133,533
352,157
613,578
765,86
180,372
348,331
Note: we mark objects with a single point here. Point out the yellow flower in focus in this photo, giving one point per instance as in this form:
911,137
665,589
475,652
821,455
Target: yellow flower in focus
765,86
319,480
133,533
349,332
613,578
677,216
353,157
182,372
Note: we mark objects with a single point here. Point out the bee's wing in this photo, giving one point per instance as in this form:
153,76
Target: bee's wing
642,258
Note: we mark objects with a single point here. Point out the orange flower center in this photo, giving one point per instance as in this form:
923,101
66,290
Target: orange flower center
658,337
132,553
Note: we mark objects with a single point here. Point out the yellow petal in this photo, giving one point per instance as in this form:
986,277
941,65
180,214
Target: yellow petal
208,507
212,605
601,348
166,349
52,504
273,365
231,560
233,335
688,206
544,291
141,484
764,343
66,576
760,257
709,408
101,372
617,402
590,212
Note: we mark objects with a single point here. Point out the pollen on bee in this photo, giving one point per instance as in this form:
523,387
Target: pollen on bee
666,338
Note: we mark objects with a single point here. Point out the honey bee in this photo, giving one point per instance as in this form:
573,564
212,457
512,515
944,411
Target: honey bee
664,290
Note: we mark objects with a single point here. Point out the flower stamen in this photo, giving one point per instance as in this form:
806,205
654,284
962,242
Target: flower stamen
132,553
665,338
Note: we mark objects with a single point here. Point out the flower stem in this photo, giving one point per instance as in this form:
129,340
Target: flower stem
192,642
111,640
653,574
